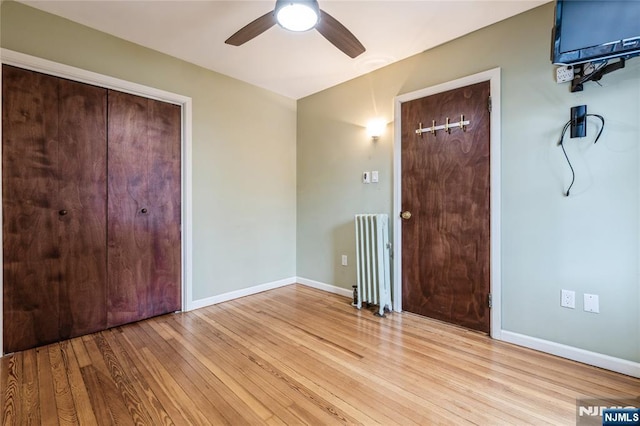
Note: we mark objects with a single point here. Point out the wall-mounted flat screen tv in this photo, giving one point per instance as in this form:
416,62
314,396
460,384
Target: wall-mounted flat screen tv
595,30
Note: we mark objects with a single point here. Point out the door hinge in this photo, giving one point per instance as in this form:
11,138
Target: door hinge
489,104
490,300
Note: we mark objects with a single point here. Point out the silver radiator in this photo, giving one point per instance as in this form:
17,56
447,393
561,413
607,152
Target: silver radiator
373,253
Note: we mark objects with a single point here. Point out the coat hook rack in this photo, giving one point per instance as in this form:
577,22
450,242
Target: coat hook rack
462,124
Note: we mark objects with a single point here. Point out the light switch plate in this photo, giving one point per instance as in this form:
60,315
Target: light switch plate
592,303
374,176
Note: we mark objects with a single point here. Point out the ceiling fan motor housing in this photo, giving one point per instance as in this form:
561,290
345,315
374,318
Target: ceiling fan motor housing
328,26
297,15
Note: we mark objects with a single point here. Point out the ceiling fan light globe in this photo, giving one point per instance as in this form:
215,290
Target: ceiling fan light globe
297,16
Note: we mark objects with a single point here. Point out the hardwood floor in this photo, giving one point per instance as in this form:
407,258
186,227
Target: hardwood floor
294,355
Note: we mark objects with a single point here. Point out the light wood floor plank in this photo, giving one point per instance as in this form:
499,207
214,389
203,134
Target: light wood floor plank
259,375
250,368
137,383
232,391
161,372
327,360
376,379
294,356
373,375
103,388
288,371
361,392
46,389
193,377
138,412
30,399
10,381
65,405
81,400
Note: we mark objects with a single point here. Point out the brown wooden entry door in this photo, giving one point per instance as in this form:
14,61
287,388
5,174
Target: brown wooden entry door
446,189
144,254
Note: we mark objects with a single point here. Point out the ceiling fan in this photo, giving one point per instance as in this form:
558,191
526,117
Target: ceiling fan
301,15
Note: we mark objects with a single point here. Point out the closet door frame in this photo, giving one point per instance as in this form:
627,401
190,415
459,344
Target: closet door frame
33,63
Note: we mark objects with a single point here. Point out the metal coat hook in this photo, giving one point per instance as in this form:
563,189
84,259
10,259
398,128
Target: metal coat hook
447,127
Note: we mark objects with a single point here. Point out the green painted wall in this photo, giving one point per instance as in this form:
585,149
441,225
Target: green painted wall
244,199
587,243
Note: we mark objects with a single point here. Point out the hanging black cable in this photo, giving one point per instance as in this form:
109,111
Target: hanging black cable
564,151
560,142
601,127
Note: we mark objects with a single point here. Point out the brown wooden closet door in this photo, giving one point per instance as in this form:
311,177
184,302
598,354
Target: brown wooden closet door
82,193
29,216
165,125
143,208
54,203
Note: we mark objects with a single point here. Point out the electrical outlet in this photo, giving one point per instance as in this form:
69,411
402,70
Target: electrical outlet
564,74
366,177
344,260
592,303
568,299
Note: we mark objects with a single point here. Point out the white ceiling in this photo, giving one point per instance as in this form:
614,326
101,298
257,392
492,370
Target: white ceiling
291,64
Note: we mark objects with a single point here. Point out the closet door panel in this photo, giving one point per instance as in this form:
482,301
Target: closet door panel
82,208
29,229
144,254
164,207
129,257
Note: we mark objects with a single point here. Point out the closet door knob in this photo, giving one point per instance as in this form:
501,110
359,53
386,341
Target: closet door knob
62,212
143,211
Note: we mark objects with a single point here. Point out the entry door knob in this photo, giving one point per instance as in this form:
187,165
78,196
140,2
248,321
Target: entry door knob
406,215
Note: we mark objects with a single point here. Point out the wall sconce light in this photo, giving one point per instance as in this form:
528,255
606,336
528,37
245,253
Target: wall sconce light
375,128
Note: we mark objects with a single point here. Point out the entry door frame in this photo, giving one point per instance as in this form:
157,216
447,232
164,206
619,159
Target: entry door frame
33,63
493,76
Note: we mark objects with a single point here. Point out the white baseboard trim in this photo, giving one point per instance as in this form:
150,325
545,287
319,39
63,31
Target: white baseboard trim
607,362
225,297
325,287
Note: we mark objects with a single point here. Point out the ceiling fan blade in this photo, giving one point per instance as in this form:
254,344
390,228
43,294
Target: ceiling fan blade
252,29
339,35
